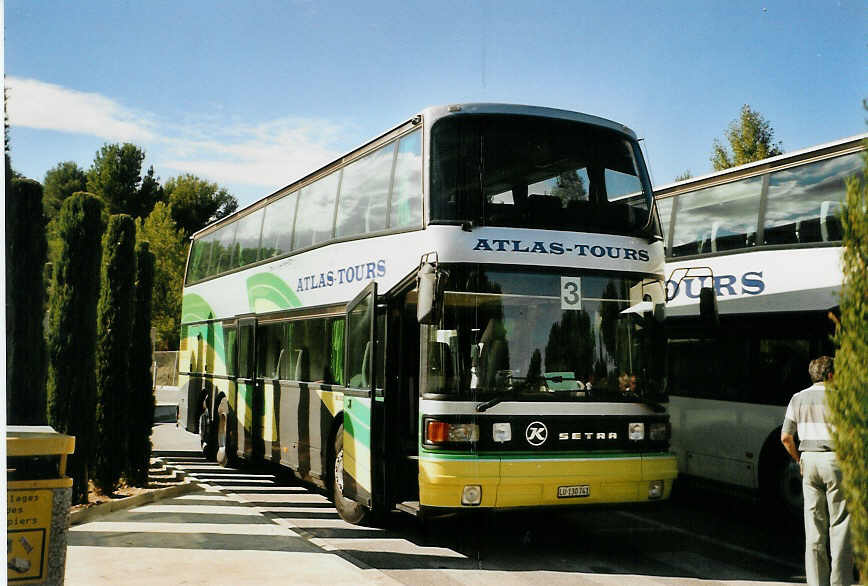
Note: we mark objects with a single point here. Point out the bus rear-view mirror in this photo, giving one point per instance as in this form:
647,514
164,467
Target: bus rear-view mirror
708,307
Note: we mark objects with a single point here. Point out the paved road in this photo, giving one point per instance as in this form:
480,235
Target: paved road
258,525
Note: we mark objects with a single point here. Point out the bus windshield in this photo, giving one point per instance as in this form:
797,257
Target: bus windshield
531,172
537,336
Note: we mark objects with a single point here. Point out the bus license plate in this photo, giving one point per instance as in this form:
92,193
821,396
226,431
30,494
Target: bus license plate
574,491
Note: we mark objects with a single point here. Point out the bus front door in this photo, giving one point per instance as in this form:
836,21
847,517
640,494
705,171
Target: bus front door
360,409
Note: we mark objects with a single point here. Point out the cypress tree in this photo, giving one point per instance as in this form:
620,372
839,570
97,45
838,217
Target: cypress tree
25,304
114,326
141,384
72,331
848,400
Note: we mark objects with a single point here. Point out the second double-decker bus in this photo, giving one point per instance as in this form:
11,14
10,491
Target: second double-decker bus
770,234
464,312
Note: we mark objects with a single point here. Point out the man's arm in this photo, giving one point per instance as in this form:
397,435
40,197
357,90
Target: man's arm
789,442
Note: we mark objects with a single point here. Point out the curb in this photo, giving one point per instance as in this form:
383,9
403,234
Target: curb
84,515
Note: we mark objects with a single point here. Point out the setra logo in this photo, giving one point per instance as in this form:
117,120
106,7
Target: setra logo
536,433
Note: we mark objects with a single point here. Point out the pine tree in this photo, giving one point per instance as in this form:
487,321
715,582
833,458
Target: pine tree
25,304
61,181
141,384
751,138
114,325
848,400
72,331
167,243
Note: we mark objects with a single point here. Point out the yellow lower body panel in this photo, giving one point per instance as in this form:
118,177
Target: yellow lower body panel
531,482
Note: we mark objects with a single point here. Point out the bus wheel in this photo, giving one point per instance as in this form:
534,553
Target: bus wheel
207,438
789,487
349,510
225,435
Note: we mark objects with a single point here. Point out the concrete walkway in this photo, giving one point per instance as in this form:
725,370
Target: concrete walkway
206,538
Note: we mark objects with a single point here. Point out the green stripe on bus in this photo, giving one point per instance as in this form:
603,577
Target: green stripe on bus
195,308
266,292
357,425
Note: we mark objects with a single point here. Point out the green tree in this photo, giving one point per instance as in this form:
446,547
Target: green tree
684,176
61,181
195,202
848,400
116,176
751,138
167,243
150,192
72,331
114,325
25,304
142,404
569,186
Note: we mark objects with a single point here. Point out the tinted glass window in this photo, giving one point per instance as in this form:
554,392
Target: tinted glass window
759,359
277,226
664,208
359,367
224,249
246,351
200,258
539,333
538,173
272,351
804,203
231,350
781,369
247,238
309,351
316,208
406,209
717,218
364,193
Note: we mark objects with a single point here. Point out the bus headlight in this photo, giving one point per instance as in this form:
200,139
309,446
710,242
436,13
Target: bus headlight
658,432
636,431
655,489
471,495
441,432
501,432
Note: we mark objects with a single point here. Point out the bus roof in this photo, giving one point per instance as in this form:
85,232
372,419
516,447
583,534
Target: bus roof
840,146
430,114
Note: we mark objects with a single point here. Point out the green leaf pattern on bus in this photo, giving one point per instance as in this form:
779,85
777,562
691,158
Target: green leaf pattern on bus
195,308
267,292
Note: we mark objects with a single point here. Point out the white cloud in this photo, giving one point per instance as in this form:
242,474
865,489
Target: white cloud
267,154
36,104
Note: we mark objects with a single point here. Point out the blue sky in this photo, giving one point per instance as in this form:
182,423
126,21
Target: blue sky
253,95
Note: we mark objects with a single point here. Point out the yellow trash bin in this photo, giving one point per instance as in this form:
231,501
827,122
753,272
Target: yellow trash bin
37,504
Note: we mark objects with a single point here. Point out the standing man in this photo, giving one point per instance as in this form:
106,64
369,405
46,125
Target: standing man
827,522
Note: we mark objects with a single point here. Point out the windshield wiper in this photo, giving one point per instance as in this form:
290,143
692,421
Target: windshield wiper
492,402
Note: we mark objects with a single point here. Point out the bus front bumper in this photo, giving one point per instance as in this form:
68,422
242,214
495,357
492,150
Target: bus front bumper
524,482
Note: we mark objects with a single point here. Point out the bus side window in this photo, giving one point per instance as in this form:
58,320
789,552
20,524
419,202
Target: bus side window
231,349
405,210
781,370
365,193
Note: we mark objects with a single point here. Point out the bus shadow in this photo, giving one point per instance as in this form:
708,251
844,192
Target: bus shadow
692,536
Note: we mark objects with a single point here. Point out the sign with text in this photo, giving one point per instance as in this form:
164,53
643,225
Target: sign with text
28,523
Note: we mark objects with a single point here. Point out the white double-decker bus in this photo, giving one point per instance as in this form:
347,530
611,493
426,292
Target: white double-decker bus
770,234
465,312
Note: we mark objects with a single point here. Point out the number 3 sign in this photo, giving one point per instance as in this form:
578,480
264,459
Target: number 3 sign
571,293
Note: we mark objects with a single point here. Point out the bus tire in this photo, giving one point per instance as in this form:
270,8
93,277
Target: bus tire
349,510
226,445
207,437
780,480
